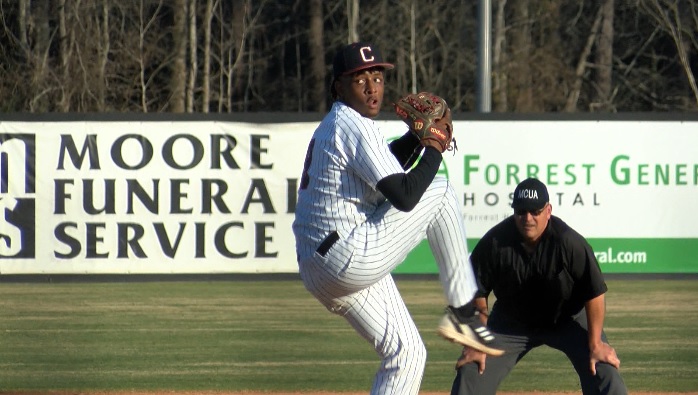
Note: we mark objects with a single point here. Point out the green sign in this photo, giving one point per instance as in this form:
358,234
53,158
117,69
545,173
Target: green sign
638,255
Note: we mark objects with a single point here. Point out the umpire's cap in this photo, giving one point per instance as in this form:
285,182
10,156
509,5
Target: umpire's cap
356,57
530,194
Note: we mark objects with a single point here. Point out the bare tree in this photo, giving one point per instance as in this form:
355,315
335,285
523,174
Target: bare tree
352,21
104,45
22,20
521,53
148,62
669,16
235,50
604,59
179,64
317,57
207,54
499,59
413,48
39,58
64,54
573,96
193,55
243,55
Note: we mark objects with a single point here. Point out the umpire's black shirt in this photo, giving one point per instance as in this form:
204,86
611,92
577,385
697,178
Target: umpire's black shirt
543,287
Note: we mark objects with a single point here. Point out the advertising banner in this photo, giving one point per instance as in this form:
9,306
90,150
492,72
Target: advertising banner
629,187
219,197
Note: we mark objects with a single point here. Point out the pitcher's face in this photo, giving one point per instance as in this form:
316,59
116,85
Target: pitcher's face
362,91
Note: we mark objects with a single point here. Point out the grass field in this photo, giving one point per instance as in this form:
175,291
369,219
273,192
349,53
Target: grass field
271,335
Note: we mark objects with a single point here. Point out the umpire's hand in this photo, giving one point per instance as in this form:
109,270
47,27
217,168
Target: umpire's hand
472,356
603,352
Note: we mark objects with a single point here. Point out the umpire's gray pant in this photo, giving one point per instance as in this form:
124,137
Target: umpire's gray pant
570,338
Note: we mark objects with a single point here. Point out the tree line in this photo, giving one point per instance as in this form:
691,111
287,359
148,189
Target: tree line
225,56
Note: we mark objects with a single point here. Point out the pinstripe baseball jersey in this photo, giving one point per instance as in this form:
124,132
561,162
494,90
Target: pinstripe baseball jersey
346,158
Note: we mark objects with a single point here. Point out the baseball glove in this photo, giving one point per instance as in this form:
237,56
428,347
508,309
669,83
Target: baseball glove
428,118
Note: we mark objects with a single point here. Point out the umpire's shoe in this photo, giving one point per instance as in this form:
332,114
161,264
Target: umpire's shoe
467,331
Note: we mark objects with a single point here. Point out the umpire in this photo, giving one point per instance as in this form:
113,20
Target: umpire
549,290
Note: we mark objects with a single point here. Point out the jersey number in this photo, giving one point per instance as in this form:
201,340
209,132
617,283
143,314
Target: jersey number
305,179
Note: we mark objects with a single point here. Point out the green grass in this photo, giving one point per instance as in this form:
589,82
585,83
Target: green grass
254,335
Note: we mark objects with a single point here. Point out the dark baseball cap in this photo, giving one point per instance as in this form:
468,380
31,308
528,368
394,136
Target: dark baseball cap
358,56
531,194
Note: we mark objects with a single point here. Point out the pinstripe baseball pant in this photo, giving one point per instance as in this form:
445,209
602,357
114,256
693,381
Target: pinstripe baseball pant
351,277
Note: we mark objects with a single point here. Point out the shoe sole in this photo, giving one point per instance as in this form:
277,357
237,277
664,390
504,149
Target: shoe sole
459,338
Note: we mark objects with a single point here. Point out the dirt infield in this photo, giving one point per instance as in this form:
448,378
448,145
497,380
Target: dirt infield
362,393
292,393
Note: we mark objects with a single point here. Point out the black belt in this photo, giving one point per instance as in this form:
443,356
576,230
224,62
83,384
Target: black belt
327,243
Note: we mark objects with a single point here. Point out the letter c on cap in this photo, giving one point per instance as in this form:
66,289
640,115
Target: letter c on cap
366,54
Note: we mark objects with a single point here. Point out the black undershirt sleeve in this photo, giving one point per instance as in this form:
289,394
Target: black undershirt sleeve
404,190
406,149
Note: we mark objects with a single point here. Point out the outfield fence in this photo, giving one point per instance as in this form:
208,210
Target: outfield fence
164,196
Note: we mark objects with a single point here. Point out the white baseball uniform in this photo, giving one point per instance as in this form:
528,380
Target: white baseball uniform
349,238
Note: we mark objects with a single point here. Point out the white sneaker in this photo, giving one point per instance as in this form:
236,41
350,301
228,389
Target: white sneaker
471,334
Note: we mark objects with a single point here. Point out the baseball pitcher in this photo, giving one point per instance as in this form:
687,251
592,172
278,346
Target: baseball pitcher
360,212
